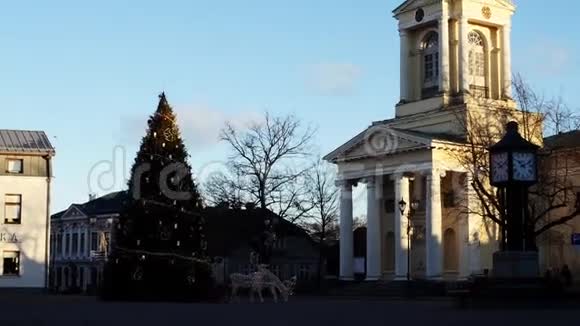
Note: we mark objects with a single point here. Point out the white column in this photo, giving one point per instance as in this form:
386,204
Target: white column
404,64
401,220
79,250
463,56
444,49
346,232
433,226
507,62
374,262
63,249
86,253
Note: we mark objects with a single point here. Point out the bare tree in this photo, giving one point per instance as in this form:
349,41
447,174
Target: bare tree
358,222
322,217
266,159
537,115
225,190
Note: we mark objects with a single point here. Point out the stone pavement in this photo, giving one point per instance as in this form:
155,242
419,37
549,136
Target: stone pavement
81,311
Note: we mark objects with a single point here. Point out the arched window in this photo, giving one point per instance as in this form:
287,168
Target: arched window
450,258
476,59
430,47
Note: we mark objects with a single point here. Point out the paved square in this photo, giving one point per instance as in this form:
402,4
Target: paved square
51,310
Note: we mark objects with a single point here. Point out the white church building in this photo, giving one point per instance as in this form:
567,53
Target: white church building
454,53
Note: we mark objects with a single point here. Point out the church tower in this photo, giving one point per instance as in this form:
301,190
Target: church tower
455,85
452,52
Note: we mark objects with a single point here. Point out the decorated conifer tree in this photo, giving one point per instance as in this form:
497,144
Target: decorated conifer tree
159,245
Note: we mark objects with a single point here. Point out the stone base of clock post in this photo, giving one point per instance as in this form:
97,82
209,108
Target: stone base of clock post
516,265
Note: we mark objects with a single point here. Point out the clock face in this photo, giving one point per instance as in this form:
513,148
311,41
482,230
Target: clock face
524,168
499,167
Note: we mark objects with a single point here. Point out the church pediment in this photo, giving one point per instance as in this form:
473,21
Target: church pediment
410,5
379,141
506,4
413,4
74,212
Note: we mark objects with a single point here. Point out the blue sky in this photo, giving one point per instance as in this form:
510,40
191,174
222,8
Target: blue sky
88,73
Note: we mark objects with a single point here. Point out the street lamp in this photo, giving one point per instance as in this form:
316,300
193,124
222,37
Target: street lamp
402,208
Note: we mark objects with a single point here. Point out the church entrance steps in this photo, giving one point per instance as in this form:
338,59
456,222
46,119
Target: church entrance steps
403,289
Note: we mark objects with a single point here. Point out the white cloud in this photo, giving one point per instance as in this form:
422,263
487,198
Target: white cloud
200,125
333,79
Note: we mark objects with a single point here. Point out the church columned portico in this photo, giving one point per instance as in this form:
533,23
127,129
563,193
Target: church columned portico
427,246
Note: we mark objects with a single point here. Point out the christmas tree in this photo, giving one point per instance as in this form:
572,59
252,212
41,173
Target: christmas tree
159,245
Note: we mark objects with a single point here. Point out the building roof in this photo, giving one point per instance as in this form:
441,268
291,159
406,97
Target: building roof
228,229
108,204
563,140
24,141
417,140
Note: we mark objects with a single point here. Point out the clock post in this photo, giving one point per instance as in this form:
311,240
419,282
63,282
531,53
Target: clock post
513,169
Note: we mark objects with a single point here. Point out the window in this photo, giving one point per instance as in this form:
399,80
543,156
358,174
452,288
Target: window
12,209
59,277
11,263
450,251
94,277
15,166
75,244
67,245
94,241
476,61
430,49
82,245
59,244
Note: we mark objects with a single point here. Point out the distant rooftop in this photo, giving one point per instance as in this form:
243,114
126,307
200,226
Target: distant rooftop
108,204
24,141
563,140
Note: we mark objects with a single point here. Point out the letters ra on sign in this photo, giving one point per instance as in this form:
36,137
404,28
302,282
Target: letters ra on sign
8,237
576,239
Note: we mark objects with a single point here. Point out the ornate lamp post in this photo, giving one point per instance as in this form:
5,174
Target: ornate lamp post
402,208
513,169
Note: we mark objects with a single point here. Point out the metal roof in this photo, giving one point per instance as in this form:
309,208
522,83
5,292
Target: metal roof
565,140
112,203
24,141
